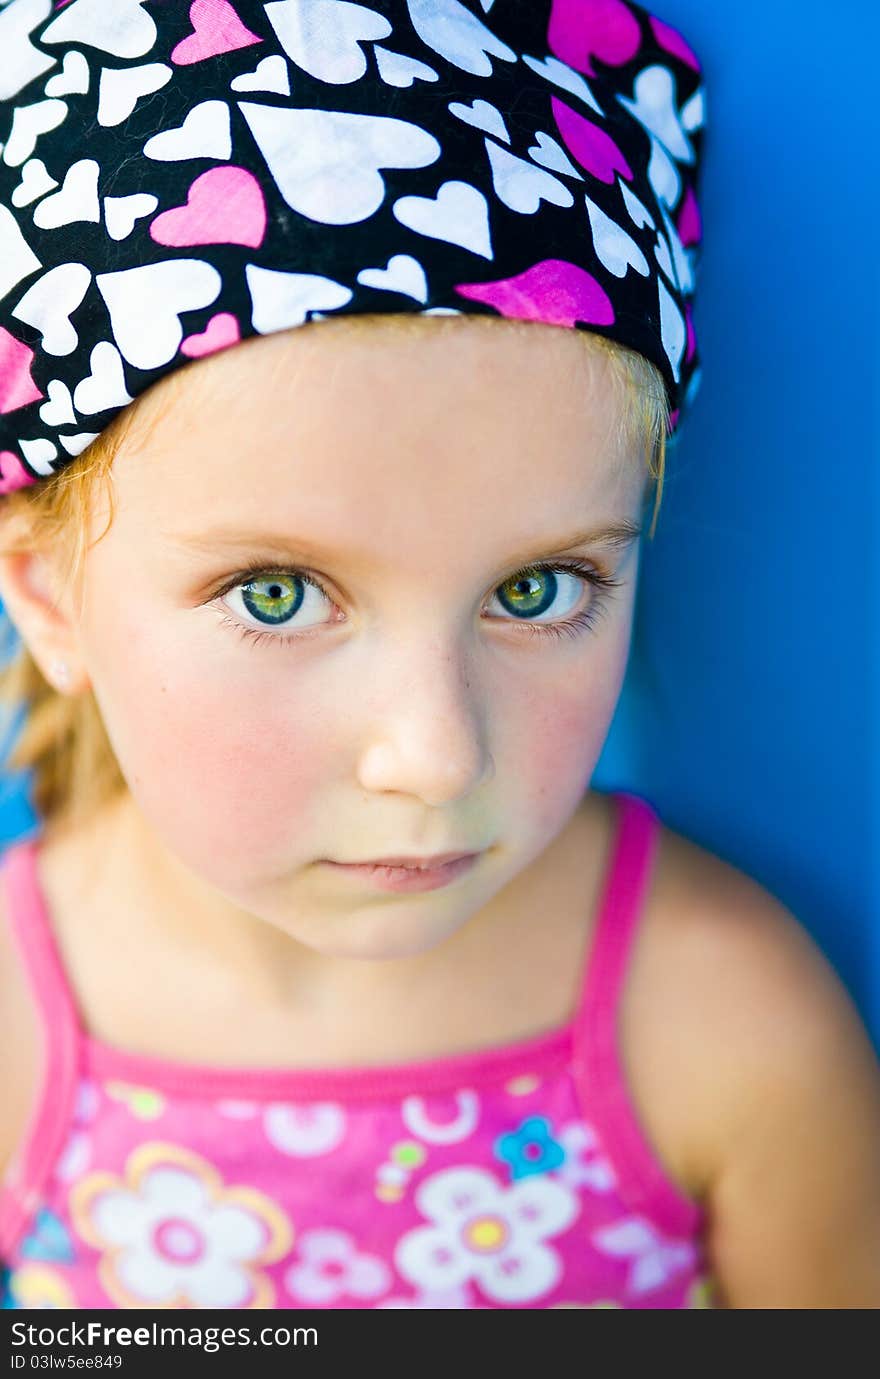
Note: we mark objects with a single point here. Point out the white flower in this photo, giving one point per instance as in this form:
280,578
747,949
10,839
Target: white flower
172,1235
487,1232
654,1259
331,1266
304,1130
584,1162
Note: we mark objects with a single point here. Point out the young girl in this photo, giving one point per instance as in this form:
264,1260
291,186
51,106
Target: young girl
327,980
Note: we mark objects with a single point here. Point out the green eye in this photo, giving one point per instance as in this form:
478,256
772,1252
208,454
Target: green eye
530,592
274,599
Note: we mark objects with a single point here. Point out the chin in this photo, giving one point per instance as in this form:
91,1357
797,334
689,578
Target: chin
384,940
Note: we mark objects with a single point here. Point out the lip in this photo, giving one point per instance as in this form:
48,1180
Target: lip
380,876
440,859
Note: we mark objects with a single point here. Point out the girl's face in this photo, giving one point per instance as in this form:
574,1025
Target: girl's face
313,633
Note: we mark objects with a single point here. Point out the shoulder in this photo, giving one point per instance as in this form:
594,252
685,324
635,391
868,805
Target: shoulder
777,1088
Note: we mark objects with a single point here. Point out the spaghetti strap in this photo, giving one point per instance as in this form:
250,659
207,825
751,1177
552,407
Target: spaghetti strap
620,908
60,1037
32,936
597,1063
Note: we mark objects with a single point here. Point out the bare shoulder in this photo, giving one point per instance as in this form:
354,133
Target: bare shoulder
762,1082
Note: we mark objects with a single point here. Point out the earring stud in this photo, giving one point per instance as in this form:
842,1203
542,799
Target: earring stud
59,672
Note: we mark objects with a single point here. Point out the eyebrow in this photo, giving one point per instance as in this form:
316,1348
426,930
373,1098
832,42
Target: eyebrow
616,535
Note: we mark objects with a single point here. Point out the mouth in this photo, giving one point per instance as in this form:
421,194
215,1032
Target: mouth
428,875
411,863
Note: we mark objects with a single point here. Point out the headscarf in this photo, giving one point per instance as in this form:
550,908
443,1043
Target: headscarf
177,177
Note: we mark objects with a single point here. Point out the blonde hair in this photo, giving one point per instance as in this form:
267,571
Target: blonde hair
62,738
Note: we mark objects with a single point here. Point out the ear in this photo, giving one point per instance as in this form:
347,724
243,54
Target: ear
43,612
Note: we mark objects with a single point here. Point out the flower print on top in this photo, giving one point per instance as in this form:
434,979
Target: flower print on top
171,1234
531,1148
455,157
480,1229
330,1267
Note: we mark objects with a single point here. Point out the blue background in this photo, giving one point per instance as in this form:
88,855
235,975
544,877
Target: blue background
747,713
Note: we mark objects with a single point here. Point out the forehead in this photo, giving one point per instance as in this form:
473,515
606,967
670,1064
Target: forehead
362,431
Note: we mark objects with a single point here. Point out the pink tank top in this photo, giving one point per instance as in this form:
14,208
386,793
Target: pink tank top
517,1176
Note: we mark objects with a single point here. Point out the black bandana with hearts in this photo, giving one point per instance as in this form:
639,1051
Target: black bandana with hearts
176,177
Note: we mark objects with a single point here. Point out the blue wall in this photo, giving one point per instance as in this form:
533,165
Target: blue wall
748,715
747,712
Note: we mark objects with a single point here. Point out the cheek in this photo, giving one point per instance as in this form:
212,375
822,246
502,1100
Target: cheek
558,740
554,732
225,756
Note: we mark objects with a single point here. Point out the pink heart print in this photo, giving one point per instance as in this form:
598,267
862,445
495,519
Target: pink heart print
220,332
592,147
223,206
216,29
13,474
17,388
690,224
580,30
672,41
553,290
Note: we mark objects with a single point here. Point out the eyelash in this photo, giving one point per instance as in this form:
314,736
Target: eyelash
569,627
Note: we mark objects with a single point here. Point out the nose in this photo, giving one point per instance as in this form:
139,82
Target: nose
428,731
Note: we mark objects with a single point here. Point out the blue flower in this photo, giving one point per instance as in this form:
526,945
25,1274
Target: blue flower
48,1239
530,1149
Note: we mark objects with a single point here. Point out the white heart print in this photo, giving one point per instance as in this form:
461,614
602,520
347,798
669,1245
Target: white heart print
522,186
482,116
58,411
693,114
205,133
77,199
122,87
121,212
639,215
403,273
673,330
663,174
28,123
22,61
458,214
145,305
270,75
396,69
283,299
552,155
664,257
121,27
48,303
76,444
457,35
326,162
654,107
684,274
565,77
323,37
39,454
104,387
35,181
17,259
615,249
72,80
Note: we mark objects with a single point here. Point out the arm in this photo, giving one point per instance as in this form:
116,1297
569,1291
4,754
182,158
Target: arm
793,1195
